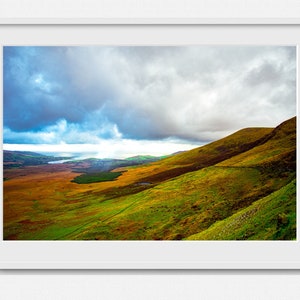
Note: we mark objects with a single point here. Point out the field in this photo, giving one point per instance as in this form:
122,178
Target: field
242,187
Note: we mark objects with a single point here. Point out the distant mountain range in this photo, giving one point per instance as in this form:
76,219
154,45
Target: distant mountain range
15,159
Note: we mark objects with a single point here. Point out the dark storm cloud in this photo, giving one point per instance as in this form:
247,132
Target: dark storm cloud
54,94
43,85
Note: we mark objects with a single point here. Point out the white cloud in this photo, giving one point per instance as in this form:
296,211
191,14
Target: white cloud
64,132
197,93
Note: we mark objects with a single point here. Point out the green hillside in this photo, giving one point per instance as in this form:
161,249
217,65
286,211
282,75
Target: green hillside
242,169
237,188
270,218
210,154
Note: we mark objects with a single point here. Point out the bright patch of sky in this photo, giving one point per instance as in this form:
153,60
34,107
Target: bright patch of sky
112,148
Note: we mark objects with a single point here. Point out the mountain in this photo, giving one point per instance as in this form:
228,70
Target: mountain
241,187
14,159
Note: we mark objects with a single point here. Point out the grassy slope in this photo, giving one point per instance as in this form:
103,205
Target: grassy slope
194,201
179,207
270,218
280,148
274,216
189,193
207,155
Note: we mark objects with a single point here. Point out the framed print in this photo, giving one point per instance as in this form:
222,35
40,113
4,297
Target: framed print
149,147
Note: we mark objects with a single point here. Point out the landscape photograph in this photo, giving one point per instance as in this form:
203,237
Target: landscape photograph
160,143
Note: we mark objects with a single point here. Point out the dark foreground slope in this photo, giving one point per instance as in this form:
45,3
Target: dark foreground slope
240,187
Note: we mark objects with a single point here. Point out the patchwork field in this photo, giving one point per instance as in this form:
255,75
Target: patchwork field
242,187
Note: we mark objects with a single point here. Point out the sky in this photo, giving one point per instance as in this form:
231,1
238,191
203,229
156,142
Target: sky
122,101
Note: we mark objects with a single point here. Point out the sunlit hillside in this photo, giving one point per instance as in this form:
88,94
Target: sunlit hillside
238,188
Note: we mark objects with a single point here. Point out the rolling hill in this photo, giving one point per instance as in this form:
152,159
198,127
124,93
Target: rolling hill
241,187
16,159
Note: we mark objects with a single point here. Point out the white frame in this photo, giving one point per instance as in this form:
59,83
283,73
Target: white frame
150,254
150,12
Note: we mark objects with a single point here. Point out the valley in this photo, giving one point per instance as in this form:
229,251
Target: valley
241,187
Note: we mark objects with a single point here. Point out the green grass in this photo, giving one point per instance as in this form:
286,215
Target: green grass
270,218
188,204
96,177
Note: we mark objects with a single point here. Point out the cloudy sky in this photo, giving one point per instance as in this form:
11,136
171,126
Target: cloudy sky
118,101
